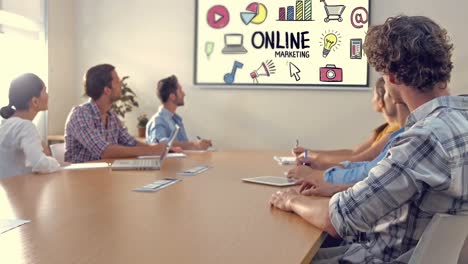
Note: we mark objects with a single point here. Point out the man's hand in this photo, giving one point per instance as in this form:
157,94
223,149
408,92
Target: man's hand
282,199
176,149
304,173
319,188
298,151
159,148
312,161
203,144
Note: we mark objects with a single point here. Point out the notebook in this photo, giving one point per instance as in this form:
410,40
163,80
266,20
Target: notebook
145,164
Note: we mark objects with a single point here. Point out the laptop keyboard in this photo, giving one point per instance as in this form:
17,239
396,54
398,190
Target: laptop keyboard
148,163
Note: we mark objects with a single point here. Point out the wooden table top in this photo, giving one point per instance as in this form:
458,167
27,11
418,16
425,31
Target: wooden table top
93,216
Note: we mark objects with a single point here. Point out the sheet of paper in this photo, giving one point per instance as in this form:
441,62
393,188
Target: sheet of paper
8,224
86,166
169,155
285,160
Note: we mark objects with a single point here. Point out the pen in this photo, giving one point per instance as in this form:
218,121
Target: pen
297,143
305,157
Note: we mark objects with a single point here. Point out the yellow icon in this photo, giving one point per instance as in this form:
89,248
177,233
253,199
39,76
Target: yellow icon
328,43
261,16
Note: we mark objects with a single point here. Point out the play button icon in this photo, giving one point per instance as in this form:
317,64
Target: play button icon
218,17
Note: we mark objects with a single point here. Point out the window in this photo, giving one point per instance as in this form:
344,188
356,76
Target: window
22,45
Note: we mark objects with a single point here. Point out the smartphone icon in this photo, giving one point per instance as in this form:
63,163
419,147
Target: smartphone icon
356,48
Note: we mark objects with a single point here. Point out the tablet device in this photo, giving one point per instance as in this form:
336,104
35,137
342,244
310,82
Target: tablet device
271,180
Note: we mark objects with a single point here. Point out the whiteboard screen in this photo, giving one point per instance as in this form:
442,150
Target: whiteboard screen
283,43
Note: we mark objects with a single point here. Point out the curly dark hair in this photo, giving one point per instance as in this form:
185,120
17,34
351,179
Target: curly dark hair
413,48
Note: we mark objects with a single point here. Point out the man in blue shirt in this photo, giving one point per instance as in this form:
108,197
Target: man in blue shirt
162,124
340,178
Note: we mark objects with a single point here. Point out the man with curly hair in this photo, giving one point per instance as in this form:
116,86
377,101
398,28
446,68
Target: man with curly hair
425,170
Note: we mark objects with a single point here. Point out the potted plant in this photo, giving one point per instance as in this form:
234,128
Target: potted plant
142,121
127,102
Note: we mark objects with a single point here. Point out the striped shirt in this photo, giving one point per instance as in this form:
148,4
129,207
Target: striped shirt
86,137
425,172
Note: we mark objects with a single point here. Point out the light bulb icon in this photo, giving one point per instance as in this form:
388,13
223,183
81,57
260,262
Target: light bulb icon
209,47
329,42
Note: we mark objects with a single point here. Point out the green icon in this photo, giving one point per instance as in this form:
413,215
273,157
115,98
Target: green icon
209,47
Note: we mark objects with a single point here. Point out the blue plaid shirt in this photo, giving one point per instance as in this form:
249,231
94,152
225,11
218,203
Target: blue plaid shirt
352,172
161,126
425,172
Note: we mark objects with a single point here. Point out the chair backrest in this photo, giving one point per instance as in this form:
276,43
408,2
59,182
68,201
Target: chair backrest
442,240
58,151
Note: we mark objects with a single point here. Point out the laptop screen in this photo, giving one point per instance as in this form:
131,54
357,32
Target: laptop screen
169,143
233,39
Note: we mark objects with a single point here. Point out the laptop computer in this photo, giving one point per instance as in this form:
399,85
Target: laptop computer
234,44
145,164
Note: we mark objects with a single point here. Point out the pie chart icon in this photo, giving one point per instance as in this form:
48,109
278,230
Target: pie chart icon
256,14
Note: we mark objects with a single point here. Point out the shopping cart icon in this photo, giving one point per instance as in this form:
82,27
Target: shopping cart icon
333,11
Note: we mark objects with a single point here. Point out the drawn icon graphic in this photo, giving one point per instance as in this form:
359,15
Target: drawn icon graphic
330,40
267,68
234,44
356,49
294,71
209,47
359,17
256,14
330,73
333,12
303,12
229,77
218,17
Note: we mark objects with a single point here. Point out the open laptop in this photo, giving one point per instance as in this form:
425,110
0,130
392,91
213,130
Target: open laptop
234,44
145,164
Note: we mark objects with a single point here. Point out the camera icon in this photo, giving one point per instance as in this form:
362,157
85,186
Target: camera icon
330,73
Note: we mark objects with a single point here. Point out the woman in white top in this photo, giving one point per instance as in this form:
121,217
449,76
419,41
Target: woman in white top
21,148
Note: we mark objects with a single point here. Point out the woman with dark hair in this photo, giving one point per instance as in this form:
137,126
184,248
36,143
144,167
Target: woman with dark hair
21,148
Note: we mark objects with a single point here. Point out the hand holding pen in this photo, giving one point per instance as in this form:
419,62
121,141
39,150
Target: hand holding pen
204,143
297,150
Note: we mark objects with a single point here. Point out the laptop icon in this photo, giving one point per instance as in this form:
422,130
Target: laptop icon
145,164
234,44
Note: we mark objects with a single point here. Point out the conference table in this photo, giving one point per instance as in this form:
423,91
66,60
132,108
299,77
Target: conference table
93,216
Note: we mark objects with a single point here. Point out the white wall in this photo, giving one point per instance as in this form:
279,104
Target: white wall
149,40
63,85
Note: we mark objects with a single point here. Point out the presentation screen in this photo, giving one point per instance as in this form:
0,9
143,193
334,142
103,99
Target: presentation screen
284,43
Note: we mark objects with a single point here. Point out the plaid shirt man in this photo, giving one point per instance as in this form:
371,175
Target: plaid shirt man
425,172
86,137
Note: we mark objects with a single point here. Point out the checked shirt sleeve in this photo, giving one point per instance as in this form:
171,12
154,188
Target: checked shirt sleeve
415,161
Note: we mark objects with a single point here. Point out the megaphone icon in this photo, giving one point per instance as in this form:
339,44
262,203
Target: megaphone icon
267,68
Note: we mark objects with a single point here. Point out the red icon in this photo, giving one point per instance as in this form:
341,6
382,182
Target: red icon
218,17
330,73
359,17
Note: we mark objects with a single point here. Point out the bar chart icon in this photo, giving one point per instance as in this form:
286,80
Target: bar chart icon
301,12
